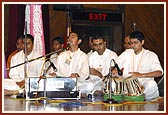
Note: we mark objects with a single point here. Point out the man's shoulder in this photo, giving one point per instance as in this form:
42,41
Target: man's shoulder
12,54
149,52
18,54
108,51
54,55
128,51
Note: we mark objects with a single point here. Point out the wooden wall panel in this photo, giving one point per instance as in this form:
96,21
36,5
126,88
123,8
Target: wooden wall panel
6,25
150,20
148,17
57,23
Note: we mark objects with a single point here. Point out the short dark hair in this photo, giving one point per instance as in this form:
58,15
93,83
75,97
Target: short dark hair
59,39
28,36
137,35
18,38
98,37
78,34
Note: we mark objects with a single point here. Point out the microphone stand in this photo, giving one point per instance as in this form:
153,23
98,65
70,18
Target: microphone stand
45,93
25,58
110,100
34,59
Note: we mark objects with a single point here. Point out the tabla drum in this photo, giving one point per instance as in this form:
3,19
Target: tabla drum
127,89
129,86
117,85
117,88
132,86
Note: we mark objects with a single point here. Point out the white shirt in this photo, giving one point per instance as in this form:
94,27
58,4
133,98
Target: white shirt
73,62
54,57
34,68
102,62
90,53
146,61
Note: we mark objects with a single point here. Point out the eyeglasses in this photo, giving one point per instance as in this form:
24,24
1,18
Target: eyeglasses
135,42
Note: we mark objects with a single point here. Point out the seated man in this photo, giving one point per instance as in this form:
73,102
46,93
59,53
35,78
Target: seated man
73,63
19,46
141,63
91,46
58,46
18,73
100,62
127,44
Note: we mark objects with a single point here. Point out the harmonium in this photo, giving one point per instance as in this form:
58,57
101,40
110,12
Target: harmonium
51,88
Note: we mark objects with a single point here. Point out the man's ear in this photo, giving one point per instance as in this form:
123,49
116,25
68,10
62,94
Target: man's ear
79,41
105,43
143,41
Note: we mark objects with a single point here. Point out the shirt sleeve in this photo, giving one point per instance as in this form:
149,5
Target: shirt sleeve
14,74
84,70
156,63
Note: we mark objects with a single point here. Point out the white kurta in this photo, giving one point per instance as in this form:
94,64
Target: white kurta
73,62
54,57
90,53
17,74
146,61
34,68
102,64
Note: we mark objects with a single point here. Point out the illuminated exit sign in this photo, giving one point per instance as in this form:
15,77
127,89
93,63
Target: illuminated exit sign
97,16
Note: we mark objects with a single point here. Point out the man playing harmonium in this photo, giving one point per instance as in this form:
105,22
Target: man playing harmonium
74,63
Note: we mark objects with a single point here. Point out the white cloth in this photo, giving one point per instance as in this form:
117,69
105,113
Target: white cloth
146,61
54,57
34,68
78,63
17,74
49,68
90,53
9,84
102,64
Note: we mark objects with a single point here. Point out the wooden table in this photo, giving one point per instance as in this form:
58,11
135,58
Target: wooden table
23,105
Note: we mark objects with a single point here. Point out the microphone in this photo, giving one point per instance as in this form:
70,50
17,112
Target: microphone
52,65
118,69
68,45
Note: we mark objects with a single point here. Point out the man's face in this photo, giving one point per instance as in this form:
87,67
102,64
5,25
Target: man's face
136,45
73,39
99,45
19,44
57,45
91,43
127,44
29,45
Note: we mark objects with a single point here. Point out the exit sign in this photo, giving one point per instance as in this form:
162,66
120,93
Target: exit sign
97,16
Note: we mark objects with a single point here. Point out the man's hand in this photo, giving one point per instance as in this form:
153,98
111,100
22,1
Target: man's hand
95,72
53,74
21,84
10,92
136,74
74,75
